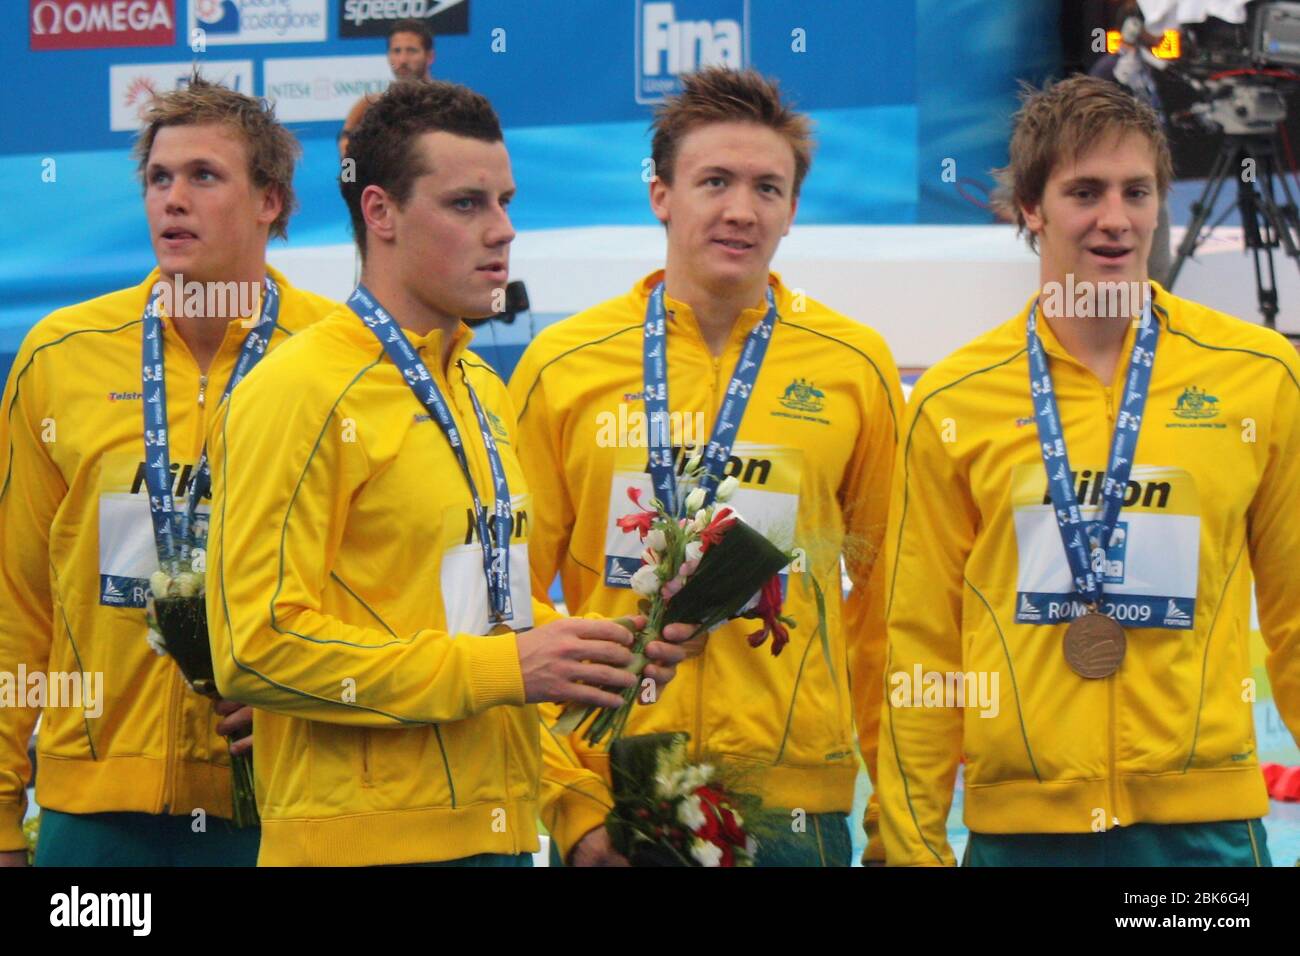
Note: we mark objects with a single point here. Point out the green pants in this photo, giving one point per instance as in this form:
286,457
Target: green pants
1226,843
485,859
823,841
142,839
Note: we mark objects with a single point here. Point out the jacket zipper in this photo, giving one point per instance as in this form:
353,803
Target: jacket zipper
1112,786
173,713
505,779
176,702
461,415
703,658
1112,691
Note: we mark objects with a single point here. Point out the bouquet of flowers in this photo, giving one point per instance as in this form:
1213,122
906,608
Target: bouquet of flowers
703,569
671,812
176,612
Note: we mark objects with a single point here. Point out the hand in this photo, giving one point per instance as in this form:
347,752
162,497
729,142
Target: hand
693,646
572,659
664,655
13,858
596,849
236,725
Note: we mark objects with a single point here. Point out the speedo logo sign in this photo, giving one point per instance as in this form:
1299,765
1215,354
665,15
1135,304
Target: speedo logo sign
682,36
372,18
1090,486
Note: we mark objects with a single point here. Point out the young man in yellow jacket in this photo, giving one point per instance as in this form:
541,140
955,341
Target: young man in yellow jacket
1081,497
369,563
812,450
140,775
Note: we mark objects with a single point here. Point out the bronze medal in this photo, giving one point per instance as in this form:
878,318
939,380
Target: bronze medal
1094,645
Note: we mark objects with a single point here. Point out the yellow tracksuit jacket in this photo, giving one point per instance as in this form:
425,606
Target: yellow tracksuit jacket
813,454
346,601
976,571
76,551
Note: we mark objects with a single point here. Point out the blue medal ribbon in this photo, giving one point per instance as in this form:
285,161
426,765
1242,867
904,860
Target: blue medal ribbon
1086,541
494,538
727,425
172,531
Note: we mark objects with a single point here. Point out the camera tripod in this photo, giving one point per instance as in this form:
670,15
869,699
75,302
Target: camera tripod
1266,225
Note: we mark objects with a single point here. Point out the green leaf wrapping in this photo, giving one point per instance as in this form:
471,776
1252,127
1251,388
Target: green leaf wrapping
632,765
730,573
183,622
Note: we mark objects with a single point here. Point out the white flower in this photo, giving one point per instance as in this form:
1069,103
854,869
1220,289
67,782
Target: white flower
689,813
695,500
694,461
672,784
160,584
668,766
664,784
727,488
656,540
700,522
189,584
694,550
707,854
156,642
646,581
697,776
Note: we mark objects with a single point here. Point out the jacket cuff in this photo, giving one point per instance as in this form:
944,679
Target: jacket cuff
582,809
495,677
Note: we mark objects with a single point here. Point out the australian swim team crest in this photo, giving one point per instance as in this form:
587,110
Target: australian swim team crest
1195,403
802,396
498,427
1196,408
805,398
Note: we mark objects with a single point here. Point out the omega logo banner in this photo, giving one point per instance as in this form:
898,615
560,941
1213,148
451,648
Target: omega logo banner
89,24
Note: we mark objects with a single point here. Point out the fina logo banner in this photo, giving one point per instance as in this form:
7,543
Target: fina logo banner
132,85
372,18
681,36
257,21
92,24
322,87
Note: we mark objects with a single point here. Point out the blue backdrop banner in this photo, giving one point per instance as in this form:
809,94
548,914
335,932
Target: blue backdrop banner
911,100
